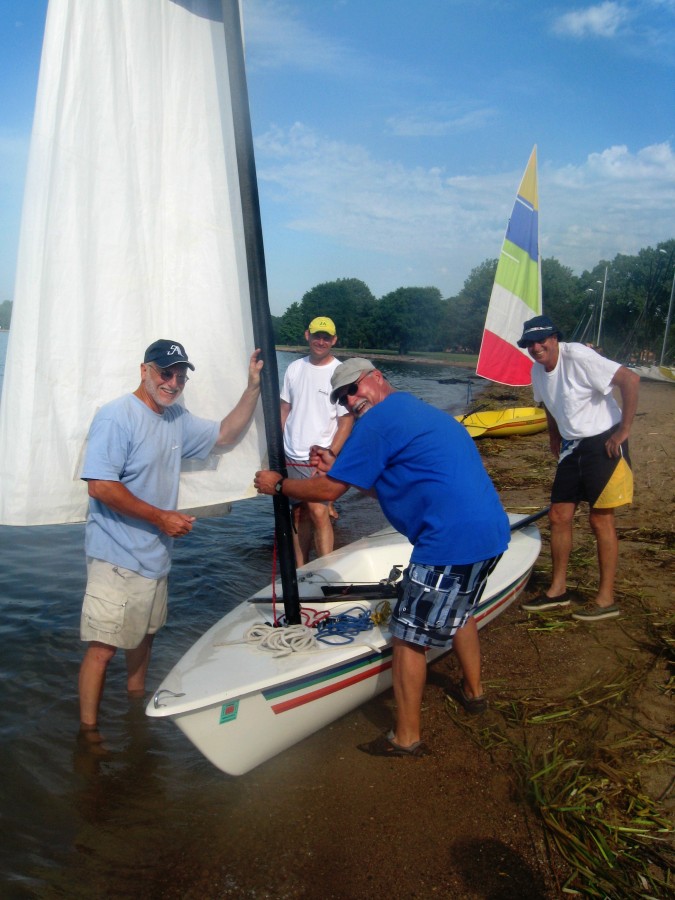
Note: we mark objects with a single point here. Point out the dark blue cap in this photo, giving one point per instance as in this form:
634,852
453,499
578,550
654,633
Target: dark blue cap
538,329
167,353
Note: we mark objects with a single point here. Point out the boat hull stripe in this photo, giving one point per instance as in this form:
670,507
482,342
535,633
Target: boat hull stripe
326,675
369,666
328,689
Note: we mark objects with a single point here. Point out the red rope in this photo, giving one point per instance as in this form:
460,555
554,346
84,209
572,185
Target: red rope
310,617
274,582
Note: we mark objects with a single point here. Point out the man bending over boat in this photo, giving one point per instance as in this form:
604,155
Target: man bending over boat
429,479
588,433
132,467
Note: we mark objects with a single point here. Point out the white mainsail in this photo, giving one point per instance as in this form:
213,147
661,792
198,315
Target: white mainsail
131,231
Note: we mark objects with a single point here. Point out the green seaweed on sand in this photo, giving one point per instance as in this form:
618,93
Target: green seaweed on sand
577,761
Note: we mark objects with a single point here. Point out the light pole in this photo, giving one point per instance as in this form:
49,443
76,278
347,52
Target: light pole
589,324
668,317
602,306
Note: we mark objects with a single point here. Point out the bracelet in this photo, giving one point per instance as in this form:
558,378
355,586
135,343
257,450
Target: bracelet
331,453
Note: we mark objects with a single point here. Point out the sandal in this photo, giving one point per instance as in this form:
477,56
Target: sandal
385,746
473,705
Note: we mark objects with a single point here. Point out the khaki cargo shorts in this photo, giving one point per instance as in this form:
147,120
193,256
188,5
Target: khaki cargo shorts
120,606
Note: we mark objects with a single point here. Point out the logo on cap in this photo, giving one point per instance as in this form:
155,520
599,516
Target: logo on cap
165,353
322,323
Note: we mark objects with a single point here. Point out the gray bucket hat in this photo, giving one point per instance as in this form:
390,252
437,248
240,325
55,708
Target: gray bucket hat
347,373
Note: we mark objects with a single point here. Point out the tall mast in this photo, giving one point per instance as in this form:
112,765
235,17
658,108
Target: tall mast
257,278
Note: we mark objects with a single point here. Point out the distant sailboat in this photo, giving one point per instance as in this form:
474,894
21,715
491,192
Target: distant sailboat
516,293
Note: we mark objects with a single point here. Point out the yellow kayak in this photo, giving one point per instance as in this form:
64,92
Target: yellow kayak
504,422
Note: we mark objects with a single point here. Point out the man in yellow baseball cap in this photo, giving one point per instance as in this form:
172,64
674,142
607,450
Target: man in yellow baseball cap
310,418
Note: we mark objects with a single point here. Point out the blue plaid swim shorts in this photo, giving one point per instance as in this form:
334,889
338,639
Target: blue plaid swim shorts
435,601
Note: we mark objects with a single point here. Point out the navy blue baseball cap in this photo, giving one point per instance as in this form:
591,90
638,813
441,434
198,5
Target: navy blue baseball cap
538,329
167,353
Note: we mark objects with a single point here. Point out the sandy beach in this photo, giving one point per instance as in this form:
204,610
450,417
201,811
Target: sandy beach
485,816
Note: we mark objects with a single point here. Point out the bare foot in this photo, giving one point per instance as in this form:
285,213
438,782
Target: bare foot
137,695
91,739
90,734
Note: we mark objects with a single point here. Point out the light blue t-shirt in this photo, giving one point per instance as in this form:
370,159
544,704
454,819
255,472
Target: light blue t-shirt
429,479
130,443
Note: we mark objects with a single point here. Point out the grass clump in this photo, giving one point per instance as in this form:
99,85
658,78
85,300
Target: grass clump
576,761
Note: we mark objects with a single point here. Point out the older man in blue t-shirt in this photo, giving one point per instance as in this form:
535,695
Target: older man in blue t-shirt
429,479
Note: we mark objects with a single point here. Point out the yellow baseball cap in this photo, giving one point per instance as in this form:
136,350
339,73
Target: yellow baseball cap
322,323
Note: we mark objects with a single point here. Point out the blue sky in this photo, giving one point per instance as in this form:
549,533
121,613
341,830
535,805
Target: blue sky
391,136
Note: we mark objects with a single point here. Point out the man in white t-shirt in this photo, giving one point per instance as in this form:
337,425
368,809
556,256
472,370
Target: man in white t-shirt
588,432
309,419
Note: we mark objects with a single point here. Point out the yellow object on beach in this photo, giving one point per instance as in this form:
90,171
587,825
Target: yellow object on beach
516,420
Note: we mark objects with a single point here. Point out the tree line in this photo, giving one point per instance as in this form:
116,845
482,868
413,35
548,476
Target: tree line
636,289
633,292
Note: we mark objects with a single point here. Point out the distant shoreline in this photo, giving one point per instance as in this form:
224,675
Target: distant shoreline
440,360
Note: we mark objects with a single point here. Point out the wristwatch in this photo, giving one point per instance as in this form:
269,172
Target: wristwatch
277,486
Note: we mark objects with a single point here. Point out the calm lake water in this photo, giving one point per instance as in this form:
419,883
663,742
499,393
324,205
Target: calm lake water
78,825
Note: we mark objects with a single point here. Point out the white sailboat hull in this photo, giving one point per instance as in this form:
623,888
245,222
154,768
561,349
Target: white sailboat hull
240,705
655,373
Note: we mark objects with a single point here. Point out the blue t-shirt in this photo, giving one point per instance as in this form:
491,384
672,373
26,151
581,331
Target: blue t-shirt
429,479
130,443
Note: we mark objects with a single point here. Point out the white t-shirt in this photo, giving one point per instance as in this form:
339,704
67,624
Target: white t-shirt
578,392
313,418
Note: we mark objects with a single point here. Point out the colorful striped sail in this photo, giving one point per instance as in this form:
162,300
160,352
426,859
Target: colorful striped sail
516,293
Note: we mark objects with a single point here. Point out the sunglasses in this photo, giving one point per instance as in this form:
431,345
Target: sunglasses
351,389
168,375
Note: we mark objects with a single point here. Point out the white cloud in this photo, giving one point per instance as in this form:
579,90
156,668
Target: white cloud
615,202
277,38
644,29
602,20
433,227
436,120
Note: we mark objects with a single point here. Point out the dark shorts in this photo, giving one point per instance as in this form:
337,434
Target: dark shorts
585,472
435,601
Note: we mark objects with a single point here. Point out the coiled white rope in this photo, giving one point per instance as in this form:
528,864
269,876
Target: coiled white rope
336,630
282,641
